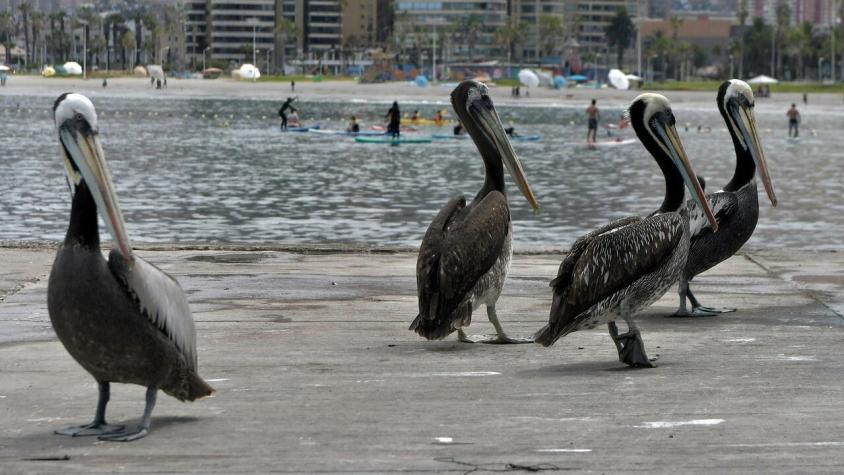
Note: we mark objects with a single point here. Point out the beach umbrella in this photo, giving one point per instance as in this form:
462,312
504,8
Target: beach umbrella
3,67
47,72
421,81
72,68
578,78
618,79
559,82
140,71
762,79
545,79
528,78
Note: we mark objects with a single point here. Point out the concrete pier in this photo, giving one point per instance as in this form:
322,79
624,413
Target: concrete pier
316,371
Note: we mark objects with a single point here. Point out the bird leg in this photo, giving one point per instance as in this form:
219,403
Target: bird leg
143,428
697,311
99,426
502,337
462,337
631,348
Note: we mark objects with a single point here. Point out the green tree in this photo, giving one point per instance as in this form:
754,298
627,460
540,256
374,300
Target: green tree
7,34
783,12
511,36
676,23
283,32
742,17
26,9
127,43
552,31
620,32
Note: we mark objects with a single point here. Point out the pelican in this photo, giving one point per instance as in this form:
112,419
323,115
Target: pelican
736,207
626,265
123,320
465,254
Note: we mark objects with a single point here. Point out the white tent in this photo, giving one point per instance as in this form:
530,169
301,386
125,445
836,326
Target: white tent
762,79
528,78
73,68
155,71
618,79
248,71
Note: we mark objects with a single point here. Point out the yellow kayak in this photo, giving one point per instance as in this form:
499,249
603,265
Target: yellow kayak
423,121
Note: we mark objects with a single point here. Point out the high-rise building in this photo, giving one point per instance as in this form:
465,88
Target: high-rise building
595,15
474,24
545,24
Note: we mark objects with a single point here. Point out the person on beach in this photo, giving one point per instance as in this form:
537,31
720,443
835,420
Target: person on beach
287,106
793,121
105,82
415,117
394,115
292,86
805,98
152,82
353,127
593,115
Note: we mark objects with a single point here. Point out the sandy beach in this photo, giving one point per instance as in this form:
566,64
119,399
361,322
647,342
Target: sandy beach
382,92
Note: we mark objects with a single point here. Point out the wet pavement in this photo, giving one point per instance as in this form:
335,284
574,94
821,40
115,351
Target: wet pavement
316,372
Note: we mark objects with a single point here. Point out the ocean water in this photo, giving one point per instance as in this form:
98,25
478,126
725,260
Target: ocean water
219,171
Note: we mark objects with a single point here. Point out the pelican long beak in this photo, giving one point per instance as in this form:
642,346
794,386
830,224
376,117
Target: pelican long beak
675,150
746,122
86,154
487,119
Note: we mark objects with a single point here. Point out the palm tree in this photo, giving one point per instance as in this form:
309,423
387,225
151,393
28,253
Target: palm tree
25,8
551,32
127,43
510,36
676,23
37,24
283,31
783,12
619,33
137,15
7,34
469,27
742,16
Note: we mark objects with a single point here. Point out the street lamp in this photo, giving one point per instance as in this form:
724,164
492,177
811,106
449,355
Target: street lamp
254,22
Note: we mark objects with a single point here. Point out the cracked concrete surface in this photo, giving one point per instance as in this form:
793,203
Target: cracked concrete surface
316,372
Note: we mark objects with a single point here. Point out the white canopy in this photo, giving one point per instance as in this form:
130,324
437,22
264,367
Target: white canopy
545,79
249,71
618,79
72,67
762,79
528,78
155,71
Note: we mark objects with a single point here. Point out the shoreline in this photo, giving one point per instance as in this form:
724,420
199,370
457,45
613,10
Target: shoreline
382,92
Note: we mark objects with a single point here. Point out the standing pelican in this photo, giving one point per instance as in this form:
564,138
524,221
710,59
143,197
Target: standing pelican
465,254
625,266
736,207
123,320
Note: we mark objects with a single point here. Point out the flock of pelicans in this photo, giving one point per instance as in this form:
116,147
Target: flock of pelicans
126,321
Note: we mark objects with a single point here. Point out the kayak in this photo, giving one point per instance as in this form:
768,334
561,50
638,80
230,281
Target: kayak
410,121
391,140
348,134
517,138
302,129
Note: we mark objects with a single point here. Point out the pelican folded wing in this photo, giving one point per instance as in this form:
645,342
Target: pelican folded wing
161,299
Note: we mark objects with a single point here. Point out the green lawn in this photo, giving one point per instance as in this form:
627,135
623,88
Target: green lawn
713,86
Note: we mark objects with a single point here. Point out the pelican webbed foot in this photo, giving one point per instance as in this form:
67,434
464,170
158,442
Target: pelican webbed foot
631,348
99,426
87,430
143,428
697,309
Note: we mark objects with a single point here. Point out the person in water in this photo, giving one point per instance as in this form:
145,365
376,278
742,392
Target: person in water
294,119
287,106
438,117
416,117
793,121
353,127
593,114
394,115
459,130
